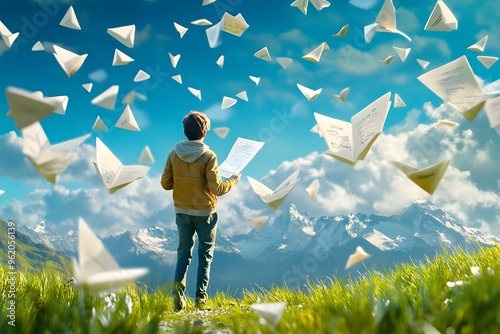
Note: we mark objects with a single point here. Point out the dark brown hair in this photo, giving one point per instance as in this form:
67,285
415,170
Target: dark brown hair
196,125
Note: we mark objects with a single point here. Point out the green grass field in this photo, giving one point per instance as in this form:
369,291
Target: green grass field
445,295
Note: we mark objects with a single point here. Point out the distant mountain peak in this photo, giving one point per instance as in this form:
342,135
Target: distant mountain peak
40,228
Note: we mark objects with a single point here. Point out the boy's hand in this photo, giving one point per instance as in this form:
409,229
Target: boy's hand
236,177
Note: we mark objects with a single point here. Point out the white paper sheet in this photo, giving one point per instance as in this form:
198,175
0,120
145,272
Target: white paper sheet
240,155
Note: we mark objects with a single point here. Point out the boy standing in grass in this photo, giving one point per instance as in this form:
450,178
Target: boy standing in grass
192,172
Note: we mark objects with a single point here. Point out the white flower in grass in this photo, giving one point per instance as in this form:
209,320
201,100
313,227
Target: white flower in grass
454,284
447,301
128,301
475,271
490,271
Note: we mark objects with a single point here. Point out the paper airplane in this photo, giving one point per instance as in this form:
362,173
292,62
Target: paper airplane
107,99
26,107
479,45
195,92
221,132
228,102
234,25
49,160
284,61
423,63
243,95
60,102
319,4
7,36
174,59
402,52
398,101
180,29
124,34
141,76
69,61
257,222
88,86
146,157
487,61
309,93
207,2
315,129
385,22
445,122
427,178
350,142
213,35
441,19
38,46
301,5
342,32
121,58
315,55
313,189
127,120
270,312
201,22
96,269
263,54
255,79
99,125
220,61
113,173
456,85
129,98
273,199
358,256
70,20
387,60
343,94
177,78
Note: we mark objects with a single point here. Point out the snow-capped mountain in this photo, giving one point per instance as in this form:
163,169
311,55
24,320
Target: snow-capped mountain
42,234
292,247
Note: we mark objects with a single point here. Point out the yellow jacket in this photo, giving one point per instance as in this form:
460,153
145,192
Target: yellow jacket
192,172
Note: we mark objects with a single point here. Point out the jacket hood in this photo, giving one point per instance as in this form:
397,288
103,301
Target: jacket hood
190,150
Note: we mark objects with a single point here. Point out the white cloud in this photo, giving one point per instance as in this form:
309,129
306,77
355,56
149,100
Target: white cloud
215,113
427,46
99,75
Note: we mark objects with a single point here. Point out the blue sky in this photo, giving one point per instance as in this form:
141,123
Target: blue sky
276,113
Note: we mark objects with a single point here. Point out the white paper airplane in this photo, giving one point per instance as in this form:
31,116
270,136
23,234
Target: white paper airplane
70,62
228,102
319,4
387,60
273,199
61,103
342,32
234,25
427,178
177,78
88,86
284,61
96,270
441,19
195,92
107,99
201,22
180,29
398,101
402,52
315,55
342,97
270,312
257,222
423,63
141,76
124,34
487,61
99,125
479,45
146,156
38,46
358,256
220,61
255,79
27,107
49,160
8,37
243,95
70,20
309,93
221,132
112,172
263,54
127,120
445,122
313,189
301,5
174,60
385,22
207,2
213,35
121,58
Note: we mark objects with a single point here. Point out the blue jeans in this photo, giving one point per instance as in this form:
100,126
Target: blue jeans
205,227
